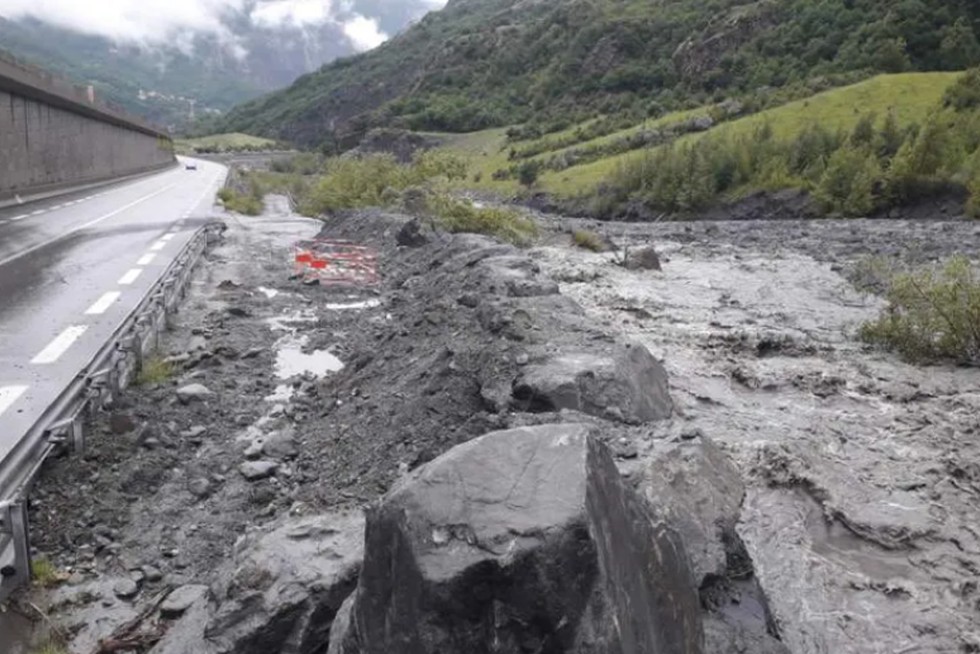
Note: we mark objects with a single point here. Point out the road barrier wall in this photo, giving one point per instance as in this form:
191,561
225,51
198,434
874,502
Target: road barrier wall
55,135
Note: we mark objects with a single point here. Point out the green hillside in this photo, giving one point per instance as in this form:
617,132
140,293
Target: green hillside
905,136
548,65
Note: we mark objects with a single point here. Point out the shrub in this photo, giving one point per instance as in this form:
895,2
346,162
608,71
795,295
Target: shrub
44,572
965,92
528,173
932,314
155,370
847,185
462,216
588,240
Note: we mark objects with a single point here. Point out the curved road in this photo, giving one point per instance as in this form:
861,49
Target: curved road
72,268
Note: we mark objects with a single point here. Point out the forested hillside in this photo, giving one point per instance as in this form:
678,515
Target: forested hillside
550,63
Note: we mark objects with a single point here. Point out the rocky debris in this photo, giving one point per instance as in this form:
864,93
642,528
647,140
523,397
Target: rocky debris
414,233
645,258
280,445
181,599
279,593
258,470
627,385
121,423
126,589
527,539
193,393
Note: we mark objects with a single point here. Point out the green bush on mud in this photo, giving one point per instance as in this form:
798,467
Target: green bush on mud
248,205
462,216
155,370
375,180
588,240
932,314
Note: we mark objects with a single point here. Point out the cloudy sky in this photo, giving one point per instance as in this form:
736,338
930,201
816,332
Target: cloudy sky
366,23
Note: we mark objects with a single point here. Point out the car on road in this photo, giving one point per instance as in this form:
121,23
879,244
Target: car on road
190,166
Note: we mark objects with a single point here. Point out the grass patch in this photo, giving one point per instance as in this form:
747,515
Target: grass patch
246,204
933,314
588,240
50,647
155,370
45,573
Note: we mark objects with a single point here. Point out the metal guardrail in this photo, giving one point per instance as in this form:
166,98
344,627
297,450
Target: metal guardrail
62,424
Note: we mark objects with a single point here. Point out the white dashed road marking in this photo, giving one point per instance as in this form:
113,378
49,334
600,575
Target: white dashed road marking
37,213
146,259
103,303
159,245
130,277
166,237
86,225
20,217
9,395
59,345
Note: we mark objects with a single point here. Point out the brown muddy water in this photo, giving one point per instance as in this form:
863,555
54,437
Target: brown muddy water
862,516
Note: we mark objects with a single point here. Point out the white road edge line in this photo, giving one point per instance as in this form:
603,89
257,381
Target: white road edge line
130,277
59,345
146,260
159,245
103,303
85,225
9,395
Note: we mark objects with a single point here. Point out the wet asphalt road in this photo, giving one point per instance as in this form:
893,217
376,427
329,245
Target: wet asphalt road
73,267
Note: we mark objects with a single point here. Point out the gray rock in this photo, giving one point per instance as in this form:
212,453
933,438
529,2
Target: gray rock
280,445
121,423
527,539
125,589
152,573
181,599
256,470
280,593
697,485
628,384
200,487
643,259
414,233
193,393
196,431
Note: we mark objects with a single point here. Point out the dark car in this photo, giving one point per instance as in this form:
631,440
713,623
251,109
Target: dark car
190,166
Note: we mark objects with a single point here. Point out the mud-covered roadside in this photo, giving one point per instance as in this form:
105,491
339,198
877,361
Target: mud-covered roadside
862,511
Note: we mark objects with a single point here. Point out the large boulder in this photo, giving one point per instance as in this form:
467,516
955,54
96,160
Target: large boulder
698,488
627,385
520,541
279,593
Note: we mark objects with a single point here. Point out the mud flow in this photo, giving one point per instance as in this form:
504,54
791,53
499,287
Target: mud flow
834,489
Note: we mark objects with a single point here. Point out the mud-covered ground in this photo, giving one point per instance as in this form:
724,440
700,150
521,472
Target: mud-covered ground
863,518
864,472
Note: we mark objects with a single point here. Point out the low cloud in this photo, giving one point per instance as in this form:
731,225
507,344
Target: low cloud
162,22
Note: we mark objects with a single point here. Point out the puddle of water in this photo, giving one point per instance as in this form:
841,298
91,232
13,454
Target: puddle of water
291,360
287,321
282,394
341,306
268,292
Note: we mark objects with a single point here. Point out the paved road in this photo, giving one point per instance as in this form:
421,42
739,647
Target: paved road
72,268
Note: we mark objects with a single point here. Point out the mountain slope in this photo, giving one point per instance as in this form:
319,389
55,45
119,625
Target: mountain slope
205,69
483,63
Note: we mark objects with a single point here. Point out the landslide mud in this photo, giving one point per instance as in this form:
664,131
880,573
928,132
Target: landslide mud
862,510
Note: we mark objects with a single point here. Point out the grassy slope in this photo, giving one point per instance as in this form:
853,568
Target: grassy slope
910,95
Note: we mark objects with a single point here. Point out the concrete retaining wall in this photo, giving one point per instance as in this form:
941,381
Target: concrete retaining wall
52,135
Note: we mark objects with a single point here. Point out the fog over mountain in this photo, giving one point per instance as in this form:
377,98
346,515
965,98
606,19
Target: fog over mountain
171,60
